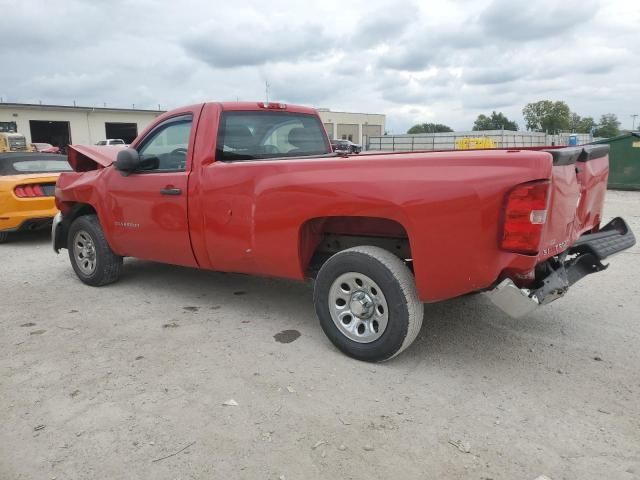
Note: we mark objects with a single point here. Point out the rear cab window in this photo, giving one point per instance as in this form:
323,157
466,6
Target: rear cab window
265,135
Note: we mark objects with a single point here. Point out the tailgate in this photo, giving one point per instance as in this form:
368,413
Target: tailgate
579,185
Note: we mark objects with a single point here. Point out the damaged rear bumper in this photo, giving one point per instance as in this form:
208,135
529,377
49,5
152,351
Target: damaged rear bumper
554,278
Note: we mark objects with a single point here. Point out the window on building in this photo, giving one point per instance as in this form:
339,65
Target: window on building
120,130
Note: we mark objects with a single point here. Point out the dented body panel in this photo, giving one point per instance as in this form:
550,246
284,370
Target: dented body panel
268,217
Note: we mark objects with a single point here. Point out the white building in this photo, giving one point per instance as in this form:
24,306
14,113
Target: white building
63,125
357,127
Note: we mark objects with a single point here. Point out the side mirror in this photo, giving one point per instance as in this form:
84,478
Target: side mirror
127,161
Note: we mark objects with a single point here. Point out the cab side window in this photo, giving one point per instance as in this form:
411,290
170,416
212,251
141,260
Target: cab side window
166,148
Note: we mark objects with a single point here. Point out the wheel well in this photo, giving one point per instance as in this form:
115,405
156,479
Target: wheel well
76,211
322,237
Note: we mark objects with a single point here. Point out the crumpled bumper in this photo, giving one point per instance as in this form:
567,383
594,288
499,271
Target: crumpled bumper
586,257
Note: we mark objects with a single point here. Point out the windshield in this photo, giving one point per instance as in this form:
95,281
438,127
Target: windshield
263,135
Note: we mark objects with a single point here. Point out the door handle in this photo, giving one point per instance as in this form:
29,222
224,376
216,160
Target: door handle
168,190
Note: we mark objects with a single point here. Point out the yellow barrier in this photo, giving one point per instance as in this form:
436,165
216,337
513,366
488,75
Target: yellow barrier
473,143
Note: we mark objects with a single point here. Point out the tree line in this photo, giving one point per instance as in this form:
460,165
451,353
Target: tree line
543,116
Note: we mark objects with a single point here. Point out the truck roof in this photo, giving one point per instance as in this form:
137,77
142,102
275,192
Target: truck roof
259,106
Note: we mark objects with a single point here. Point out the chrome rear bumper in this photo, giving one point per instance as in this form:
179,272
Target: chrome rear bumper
512,300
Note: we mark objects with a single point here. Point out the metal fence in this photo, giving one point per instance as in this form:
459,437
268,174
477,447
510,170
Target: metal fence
472,140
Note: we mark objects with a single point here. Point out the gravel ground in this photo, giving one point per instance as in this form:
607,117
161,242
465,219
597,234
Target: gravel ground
104,383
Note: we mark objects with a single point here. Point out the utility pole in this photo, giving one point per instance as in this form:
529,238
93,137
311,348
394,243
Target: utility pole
266,90
633,125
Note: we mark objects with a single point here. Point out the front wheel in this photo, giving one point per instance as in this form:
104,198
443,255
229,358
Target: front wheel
367,303
91,257
4,236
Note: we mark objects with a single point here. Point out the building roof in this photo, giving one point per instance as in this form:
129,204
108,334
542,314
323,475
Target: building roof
328,110
38,106
78,108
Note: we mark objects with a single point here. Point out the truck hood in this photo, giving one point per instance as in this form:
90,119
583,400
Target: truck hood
83,158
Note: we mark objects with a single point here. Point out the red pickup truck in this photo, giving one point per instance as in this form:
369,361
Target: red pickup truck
255,188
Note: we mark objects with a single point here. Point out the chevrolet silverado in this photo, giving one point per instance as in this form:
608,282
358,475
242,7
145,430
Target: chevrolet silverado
255,188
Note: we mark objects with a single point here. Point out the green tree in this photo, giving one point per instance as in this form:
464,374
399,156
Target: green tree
429,128
586,125
608,127
579,124
496,121
547,116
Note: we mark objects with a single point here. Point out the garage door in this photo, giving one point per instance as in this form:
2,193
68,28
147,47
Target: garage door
348,131
55,133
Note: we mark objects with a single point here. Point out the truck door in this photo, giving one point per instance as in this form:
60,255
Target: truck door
147,210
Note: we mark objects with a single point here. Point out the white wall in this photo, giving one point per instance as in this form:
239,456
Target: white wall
348,118
87,127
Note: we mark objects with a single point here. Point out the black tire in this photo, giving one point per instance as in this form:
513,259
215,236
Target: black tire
4,236
107,265
395,280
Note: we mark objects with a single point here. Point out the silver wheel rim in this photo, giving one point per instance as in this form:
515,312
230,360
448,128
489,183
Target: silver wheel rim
358,307
84,252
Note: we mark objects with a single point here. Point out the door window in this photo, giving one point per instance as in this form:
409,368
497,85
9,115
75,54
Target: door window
165,150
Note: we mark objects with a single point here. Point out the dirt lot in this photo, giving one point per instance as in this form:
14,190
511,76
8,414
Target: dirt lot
104,383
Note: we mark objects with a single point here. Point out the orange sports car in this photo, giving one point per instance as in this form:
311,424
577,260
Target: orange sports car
27,186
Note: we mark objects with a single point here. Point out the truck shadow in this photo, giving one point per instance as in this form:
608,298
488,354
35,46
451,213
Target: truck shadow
464,330
471,330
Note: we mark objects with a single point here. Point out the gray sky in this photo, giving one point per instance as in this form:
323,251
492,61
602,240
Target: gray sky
444,61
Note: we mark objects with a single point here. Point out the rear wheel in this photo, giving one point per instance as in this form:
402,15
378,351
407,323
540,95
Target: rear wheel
367,303
91,257
4,236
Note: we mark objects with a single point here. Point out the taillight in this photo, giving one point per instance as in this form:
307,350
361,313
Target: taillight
525,213
272,105
29,191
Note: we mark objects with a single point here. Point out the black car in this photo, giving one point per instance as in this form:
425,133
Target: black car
345,146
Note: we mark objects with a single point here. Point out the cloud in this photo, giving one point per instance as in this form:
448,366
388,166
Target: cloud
304,83
79,83
523,21
407,89
412,59
384,25
491,75
255,43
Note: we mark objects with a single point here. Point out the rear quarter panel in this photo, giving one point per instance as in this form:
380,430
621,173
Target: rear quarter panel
449,203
